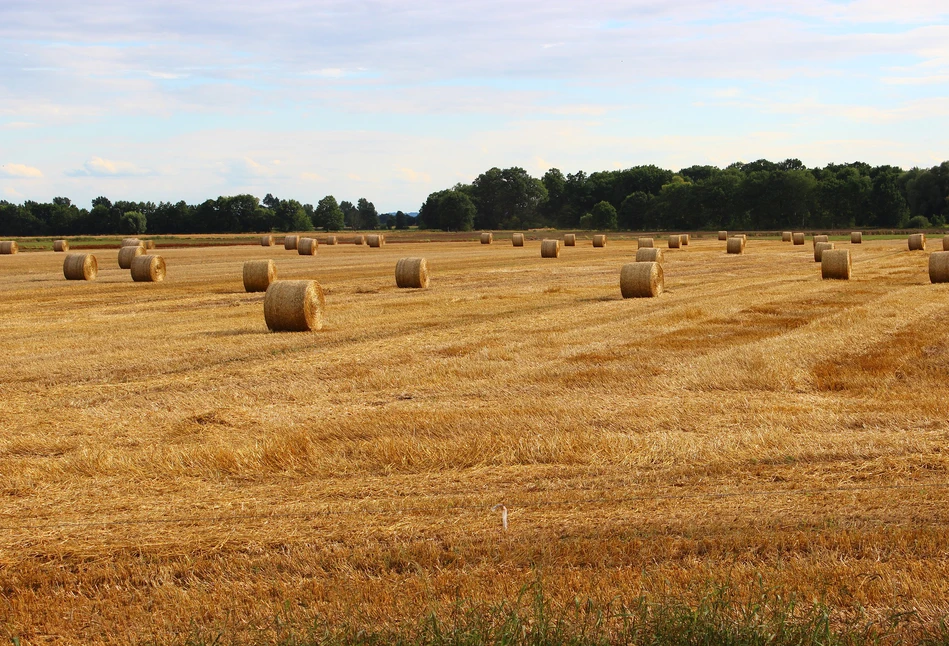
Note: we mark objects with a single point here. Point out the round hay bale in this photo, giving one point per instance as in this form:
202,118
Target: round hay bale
550,249
130,242
570,239
723,235
148,269
374,240
785,236
266,241
820,248
649,254
9,247
939,267
294,306
290,243
127,254
60,245
675,242
835,264
645,243
856,237
736,245
599,240
331,240
684,239
487,238
258,274
517,239
917,242
945,243
821,238
80,266
641,280
411,272
149,244
359,240
798,238
307,246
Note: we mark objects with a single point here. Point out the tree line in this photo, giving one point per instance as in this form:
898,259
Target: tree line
760,195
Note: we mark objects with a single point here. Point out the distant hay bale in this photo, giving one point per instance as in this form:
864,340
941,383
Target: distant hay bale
148,269
130,242
684,239
641,280
9,247
294,306
599,240
835,264
945,243
60,245
798,238
645,243
786,236
375,240
735,245
517,239
723,235
856,237
743,236
359,240
290,243
675,242
550,249
266,241
331,240
939,267
917,242
487,238
148,244
127,254
822,238
259,274
649,254
570,239
80,266
820,248
411,272
307,246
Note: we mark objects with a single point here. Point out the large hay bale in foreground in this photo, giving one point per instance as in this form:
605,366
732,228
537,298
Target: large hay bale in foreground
723,235
649,254
570,239
61,245
820,248
359,240
307,246
735,245
786,236
675,242
517,239
939,267
917,242
290,243
411,272
148,269
130,242
80,266
550,249
641,280
798,238
266,241
835,264
332,240
9,247
487,238
645,243
259,274
856,237
127,254
294,306
599,240
375,240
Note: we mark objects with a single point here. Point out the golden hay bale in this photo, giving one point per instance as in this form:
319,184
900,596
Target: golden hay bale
945,243
290,243
645,243
550,249
375,240
331,240
786,236
599,240
835,263
675,242
9,247
60,245
127,254
258,274
411,272
130,242
798,238
487,238
735,244
820,239
80,266
570,239
856,237
939,267
820,248
359,240
266,241
517,239
723,235
641,280
148,269
684,239
649,254
149,244
294,306
917,242
307,246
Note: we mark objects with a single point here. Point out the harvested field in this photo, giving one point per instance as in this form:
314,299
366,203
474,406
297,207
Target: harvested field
752,426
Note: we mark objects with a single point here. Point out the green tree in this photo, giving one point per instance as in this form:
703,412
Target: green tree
132,222
328,214
507,199
604,216
368,216
401,222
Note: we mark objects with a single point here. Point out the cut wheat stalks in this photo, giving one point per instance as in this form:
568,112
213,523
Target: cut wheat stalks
61,245
130,242
820,248
675,242
266,241
294,306
517,239
939,267
645,243
375,240
331,240
723,235
307,246
127,254
735,245
411,272
487,238
550,249
359,240
599,240
570,239
835,264
9,247
290,243
649,254
786,236
917,242
856,237
148,269
641,280
80,266
259,274
798,238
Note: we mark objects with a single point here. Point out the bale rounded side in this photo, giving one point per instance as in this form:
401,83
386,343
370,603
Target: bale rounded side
723,235
411,272
735,245
798,238
645,243
939,267
517,239
487,238
290,243
599,240
9,247
266,241
649,254
550,249
61,245
641,280
835,264
259,274
148,269
80,266
786,236
307,246
917,242
856,237
570,239
127,254
294,306
820,248
675,242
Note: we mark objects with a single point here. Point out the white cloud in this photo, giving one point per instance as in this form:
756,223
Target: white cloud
414,176
99,167
20,170
9,191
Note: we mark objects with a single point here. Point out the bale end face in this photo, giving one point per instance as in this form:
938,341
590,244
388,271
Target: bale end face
517,239
411,273
599,240
148,269
820,248
259,274
294,306
856,237
649,254
917,242
835,264
939,267
685,239
641,280
550,249
570,239
645,243
80,266
735,245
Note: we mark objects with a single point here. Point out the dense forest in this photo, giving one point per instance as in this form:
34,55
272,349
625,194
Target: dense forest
761,195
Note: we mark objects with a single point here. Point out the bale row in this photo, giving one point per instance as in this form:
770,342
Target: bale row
129,253
359,240
376,240
332,240
649,254
148,269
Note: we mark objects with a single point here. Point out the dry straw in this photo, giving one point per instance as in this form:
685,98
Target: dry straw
821,238
130,242
60,245
376,240
570,239
798,238
856,237
599,240
290,243
517,239
359,240
149,244
258,274
820,248
723,235
487,238
550,249
148,269
945,243
331,240
80,266
411,272
917,242
127,254
9,247
674,242
685,239
939,267
266,241
641,280
649,254
294,306
835,264
645,243
786,236
736,245
307,246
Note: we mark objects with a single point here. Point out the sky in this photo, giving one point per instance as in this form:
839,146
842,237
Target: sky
391,100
